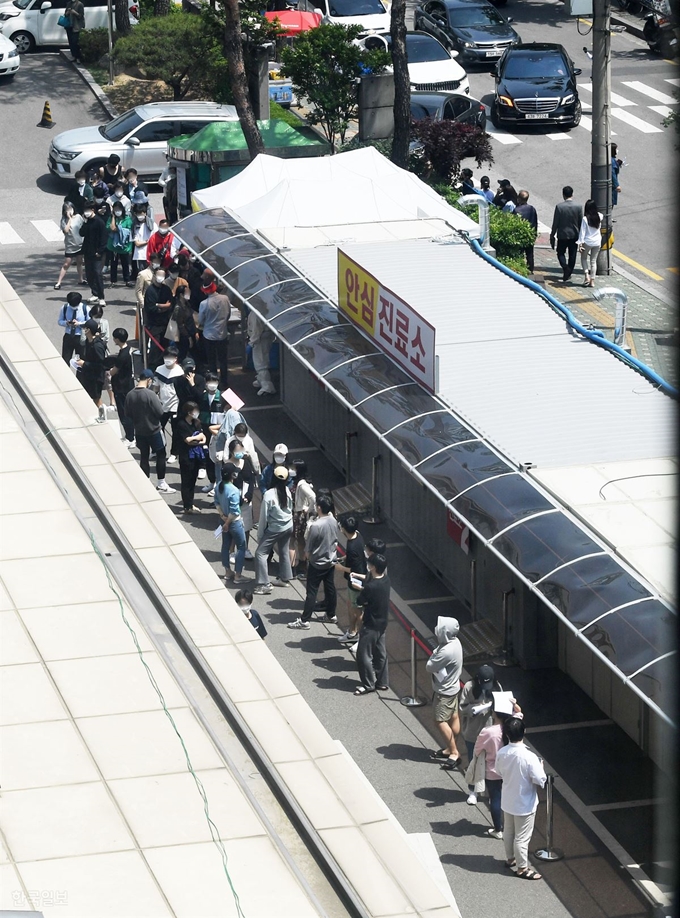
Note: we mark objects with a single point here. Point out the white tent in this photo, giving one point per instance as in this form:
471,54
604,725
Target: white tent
350,188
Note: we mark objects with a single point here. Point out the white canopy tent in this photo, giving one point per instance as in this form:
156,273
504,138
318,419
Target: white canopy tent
358,187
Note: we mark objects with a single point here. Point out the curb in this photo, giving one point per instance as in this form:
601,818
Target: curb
87,78
630,25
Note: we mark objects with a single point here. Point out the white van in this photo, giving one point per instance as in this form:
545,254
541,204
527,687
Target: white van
32,24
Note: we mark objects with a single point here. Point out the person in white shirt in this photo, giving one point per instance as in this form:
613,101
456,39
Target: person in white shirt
522,773
590,241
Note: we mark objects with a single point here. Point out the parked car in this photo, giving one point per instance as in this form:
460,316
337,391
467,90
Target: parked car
35,23
9,58
473,28
431,68
536,83
371,15
139,136
447,106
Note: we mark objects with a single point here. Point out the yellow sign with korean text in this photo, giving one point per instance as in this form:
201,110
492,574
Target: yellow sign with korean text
394,326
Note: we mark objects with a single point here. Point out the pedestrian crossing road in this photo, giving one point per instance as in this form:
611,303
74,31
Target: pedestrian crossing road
647,118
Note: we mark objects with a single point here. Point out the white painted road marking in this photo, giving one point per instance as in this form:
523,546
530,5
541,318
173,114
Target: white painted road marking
559,136
673,82
617,100
9,236
586,123
649,91
635,122
49,230
662,110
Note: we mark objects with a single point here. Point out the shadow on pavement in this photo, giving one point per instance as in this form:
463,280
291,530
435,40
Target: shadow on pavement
439,796
338,684
476,863
336,664
407,753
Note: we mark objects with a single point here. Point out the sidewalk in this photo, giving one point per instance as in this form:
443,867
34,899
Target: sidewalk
652,315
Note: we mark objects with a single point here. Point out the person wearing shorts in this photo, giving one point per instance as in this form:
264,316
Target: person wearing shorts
445,666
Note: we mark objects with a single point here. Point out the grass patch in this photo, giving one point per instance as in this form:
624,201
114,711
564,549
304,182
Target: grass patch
278,113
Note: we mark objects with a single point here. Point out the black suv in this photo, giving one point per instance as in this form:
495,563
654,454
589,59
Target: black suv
536,84
473,28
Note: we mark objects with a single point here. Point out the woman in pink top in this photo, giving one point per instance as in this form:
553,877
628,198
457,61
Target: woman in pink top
490,740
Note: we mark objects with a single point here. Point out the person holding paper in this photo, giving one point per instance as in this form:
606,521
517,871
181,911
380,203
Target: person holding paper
489,741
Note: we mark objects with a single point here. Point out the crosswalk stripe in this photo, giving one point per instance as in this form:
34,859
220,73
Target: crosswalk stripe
49,230
558,136
9,236
635,122
651,92
662,110
586,123
501,136
673,82
617,100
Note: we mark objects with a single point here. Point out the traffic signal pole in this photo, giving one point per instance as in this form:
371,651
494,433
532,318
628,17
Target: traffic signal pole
600,169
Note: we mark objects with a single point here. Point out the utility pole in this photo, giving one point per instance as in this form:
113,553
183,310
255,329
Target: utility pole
601,169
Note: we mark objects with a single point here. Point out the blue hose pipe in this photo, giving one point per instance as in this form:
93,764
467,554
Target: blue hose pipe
597,337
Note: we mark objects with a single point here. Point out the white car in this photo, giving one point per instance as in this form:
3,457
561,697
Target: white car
371,15
32,24
139,136
431,68
9,58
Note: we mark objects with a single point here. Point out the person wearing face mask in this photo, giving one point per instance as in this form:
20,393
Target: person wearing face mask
91,369
241,431
190,450
157,311
80,193
96,185
118,194
111,172
184,329
213,320
95,237
142,231
132,184
164,244
244,600
144,408
212,415
119,245
119,367
245,482
304,507
166,375
228,503
72,315
279,457
70,225
145,273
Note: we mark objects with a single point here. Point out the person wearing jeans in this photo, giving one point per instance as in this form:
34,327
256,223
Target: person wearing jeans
321,551
275,530
228,503
565,228
489,741
590,241
522,773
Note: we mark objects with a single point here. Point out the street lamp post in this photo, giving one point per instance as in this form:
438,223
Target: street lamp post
600,169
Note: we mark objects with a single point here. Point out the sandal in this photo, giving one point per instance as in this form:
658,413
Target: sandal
362,690
511,865
57,286
383,688
440,754
529,874
451,764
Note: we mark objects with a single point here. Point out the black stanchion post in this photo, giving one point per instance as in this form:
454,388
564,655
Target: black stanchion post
506,658
412,700
549,853
374,518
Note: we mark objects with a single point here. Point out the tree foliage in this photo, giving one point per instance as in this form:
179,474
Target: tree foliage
179,50
324,67
445,144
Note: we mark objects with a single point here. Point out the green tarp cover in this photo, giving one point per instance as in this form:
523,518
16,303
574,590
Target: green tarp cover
227,136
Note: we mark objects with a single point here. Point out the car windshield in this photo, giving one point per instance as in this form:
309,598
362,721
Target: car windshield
421,48
342,8
22,4
463,17
121,126
522,65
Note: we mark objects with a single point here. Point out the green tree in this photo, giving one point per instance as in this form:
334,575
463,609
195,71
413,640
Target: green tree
325,66
445,144
402,85
179,50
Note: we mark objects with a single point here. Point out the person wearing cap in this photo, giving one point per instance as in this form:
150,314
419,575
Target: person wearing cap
485,188
111,172
489,741
445,666
163,243
228,498
279,457
144,409
506,197
476,707
213,321
95,238
275,530
522,773
91,369
321,552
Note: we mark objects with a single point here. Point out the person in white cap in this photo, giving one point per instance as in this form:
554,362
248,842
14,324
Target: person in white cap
279,457
275,530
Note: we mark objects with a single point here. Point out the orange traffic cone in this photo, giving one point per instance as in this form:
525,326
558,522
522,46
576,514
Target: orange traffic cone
46,120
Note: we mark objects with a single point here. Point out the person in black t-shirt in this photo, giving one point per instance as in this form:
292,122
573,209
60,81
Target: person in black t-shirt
120,367
190,441
371,653
355,563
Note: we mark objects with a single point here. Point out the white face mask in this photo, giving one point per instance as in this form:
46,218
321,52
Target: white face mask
118,213
279,460
187,294
88,214
118,194
292,474
211,386
141,217
195,414
164,232
169,361
81,183
160,277
245,609
155,266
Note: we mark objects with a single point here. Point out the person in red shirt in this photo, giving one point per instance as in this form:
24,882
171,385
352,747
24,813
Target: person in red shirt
164,244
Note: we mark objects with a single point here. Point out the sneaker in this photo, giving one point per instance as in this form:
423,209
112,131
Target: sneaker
263,589
232,559
172,459
207,488
239,578
165,488
330,619
57,286
280,583
256,384
93,300
472,799
131,444
112,284
248,555
211,492
102,303
354,647
84,283
129,283
190,510
494,833
347,638
105,269
298,625
201,473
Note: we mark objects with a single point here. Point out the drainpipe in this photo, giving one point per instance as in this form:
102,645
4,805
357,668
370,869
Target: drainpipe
621,301
483,205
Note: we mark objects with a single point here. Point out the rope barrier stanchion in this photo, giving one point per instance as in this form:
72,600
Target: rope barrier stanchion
549,853
412,700
374,517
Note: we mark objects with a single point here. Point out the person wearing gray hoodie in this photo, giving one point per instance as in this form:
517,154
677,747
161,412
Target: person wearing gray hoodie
445,666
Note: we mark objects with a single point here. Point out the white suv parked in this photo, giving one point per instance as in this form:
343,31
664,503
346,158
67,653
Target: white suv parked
140,137
35,23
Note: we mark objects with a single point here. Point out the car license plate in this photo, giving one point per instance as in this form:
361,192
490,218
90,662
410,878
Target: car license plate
493,53
537,116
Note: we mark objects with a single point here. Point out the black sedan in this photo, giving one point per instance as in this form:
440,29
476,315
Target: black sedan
473,28
536,84
447,106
